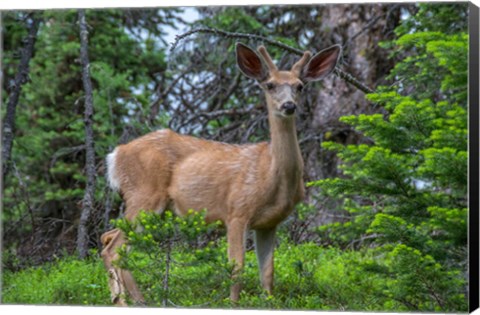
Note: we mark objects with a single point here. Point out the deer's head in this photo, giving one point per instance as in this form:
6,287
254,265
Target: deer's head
282,88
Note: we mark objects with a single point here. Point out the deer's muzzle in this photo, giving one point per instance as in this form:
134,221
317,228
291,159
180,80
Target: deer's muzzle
288,108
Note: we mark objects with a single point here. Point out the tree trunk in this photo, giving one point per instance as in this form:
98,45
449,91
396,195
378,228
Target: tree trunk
20,79
359,28
88,199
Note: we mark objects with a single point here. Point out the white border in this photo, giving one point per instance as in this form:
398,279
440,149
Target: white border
80,310
50,4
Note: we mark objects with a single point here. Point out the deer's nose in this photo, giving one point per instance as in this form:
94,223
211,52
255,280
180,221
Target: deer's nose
289,108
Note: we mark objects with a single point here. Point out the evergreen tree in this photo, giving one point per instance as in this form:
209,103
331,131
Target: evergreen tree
41,199
405,188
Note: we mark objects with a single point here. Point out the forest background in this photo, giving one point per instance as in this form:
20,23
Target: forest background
384,224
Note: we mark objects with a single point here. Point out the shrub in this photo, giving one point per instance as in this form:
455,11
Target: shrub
174,258
406,190
65,281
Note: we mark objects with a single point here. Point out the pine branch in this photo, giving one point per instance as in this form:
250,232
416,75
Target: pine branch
342,74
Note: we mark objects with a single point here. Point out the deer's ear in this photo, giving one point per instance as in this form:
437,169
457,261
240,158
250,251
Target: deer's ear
250,63
322,64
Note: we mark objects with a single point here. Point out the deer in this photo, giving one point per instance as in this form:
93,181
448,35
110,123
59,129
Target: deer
246,187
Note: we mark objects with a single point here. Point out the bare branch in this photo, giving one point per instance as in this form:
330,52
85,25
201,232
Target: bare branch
350,79
162,95
235,35
342,74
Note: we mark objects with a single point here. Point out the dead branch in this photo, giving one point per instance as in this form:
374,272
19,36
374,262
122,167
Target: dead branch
88,200
342,74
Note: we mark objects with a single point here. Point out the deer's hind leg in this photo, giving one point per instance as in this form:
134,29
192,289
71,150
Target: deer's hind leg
121,281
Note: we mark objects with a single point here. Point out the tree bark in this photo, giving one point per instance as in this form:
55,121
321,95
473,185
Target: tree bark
88,199
20,79
359,28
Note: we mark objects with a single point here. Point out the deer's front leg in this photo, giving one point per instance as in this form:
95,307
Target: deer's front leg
120,281
264,246
236,233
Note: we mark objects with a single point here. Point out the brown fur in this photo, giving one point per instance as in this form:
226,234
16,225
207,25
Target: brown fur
253,186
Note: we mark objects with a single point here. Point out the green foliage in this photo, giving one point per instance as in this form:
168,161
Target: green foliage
64,281
448,18
167,251
233,19
422,283
406,191
308,277
48,151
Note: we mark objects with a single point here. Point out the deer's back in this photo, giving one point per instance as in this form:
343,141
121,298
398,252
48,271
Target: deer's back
145,164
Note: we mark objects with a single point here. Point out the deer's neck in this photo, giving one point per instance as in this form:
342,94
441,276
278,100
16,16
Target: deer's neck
284,148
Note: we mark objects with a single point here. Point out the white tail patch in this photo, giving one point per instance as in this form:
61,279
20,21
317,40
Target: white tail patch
112,175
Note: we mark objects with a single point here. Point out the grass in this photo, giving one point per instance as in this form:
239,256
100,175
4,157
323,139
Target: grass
67,281
306,277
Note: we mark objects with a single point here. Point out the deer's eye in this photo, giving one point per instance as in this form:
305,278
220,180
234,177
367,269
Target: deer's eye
300,88
270,86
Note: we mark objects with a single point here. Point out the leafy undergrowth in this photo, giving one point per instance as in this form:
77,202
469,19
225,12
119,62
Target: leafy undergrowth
306,277
177,262
67,281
